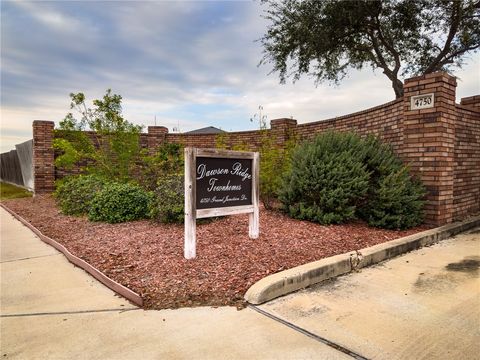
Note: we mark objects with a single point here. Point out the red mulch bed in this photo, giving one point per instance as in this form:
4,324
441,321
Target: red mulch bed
148,257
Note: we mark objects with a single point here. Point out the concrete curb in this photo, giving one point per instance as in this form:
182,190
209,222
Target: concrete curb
302,276
97,274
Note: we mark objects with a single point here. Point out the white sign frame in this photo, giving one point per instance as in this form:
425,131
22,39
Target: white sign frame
427,101
191,212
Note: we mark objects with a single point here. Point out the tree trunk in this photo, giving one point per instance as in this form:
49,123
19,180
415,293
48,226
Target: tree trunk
398,88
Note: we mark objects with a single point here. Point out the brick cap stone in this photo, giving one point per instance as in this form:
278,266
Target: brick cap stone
157,130
43,122
276,122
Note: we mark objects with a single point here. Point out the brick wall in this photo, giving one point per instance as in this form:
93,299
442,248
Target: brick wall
441,144
466,183
384,121
471,101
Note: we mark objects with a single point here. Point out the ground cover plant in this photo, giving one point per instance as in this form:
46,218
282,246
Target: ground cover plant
147,257
9,191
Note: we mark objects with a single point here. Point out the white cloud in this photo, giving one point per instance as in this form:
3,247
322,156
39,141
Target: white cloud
49,16
176,60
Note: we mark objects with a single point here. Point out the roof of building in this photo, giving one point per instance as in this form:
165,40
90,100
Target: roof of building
206,130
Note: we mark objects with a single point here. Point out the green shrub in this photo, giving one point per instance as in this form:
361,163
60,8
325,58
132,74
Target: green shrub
395,200
274,163
119,203
74,194
326,179
339,176
396,203
167,205
151,169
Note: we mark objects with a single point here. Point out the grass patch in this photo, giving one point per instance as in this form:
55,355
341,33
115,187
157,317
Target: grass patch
8,191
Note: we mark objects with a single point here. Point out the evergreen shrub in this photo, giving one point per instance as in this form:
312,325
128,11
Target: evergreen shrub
340,176
118,202
167,205
396,203
395,199
326,179
74,194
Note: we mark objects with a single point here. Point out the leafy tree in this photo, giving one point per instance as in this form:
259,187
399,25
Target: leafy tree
111,147
401,37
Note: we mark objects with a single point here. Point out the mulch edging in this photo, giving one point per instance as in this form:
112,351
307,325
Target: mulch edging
105,280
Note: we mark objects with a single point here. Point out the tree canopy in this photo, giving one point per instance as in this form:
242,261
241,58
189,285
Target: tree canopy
113,144
325,39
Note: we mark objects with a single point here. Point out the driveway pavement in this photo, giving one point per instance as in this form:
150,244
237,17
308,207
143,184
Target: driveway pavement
422,305
53,310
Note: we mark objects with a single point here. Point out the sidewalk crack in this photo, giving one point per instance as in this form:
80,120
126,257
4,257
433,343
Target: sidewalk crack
120,310
28,258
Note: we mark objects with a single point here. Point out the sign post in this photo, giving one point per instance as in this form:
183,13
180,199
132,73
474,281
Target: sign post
219,183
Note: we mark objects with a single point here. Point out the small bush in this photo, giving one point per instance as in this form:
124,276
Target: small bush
326,179
396,202
74,194
167,205
119,203
151,169
274,163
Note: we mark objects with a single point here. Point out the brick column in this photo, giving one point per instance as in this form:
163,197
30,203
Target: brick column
283,129
156,137
43,157
429,141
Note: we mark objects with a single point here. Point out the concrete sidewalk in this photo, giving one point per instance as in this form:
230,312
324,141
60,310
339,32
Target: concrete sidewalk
53,310
422,305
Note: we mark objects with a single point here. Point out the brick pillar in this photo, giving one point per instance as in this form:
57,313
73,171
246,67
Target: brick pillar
283,129
43,157
429,141
156,137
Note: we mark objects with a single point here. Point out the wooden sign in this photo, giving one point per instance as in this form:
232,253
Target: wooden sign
218,183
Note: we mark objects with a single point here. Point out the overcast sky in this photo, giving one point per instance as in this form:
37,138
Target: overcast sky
189,64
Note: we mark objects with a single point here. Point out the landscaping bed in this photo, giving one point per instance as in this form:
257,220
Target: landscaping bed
147,257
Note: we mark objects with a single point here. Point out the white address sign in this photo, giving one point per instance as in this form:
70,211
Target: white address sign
424,101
